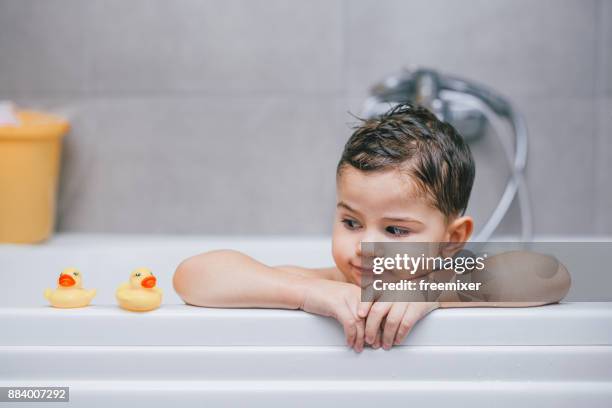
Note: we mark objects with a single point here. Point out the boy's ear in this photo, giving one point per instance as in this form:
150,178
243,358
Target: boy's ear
459,231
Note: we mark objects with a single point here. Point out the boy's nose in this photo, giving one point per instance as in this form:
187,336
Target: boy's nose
369,249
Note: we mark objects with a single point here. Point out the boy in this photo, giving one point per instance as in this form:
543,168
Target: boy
405,176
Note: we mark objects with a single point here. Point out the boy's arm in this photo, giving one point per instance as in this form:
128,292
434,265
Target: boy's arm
331,273
491,304
227,278
521,275
532,279
231,279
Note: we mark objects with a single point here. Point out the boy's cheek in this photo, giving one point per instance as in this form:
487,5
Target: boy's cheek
341,260
340,250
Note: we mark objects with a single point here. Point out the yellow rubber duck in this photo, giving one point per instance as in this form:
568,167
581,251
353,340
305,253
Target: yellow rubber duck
69,292
139,294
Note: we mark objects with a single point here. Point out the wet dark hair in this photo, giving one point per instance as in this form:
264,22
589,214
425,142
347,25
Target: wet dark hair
413,140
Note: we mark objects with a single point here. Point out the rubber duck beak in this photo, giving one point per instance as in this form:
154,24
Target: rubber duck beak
149,282
66,281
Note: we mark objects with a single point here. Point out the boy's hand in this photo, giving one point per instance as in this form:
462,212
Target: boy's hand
341,301
390,322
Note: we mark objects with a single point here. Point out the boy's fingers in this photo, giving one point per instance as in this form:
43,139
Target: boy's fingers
359,340
408,321
403,331
350,329
412,316
394,319
350,333
376,344
377,312
364,308
429,307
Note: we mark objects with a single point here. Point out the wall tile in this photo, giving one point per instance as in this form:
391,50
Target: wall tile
196,166
605,45
543,48
562,163
235,46
43,46
604,154
229,116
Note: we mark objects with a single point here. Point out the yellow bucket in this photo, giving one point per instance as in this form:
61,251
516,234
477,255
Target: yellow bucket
30,155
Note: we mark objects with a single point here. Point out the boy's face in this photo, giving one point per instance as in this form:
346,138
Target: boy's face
381,206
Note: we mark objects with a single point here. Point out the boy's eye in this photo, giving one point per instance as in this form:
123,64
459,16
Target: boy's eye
397,231
350,224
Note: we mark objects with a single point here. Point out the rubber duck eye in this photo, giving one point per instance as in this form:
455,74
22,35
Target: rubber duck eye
151,273
75,273
138,275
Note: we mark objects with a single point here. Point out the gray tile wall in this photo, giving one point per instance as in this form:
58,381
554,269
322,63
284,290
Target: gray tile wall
604,102
229,116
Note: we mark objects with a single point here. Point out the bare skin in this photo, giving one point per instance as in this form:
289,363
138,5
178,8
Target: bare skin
371,207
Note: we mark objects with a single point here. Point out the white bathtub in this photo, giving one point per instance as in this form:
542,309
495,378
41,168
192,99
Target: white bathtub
557,355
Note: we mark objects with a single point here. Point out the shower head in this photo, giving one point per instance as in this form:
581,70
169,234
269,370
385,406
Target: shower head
428,88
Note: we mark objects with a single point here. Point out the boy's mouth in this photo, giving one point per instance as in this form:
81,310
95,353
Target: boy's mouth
363,270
